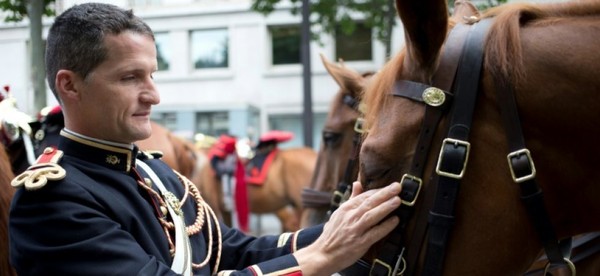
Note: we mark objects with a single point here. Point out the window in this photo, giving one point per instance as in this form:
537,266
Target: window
210,48
162,53
355,46
294,124
212,123
285,43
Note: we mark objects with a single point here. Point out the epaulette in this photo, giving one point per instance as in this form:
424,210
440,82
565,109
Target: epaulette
45,168
150,154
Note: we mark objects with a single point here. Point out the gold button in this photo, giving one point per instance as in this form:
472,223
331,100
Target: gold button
148,182
164,210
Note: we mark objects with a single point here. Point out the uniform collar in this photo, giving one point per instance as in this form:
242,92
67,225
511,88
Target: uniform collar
112,155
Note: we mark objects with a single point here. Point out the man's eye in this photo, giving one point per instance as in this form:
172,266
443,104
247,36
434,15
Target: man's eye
128,78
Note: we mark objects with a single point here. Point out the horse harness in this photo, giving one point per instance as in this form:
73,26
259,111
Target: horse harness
332,200
396,257
344,188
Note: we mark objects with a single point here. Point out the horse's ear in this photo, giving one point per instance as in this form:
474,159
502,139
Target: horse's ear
345,77
425,25
464,11
331,69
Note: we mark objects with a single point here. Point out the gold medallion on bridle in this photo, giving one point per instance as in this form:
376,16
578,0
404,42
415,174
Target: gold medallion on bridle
434,96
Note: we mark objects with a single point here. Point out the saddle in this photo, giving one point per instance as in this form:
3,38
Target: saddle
265,152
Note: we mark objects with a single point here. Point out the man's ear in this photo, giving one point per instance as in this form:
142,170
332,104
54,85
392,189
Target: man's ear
66,85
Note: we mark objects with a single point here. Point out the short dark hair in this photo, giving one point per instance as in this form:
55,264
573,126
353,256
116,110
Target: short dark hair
76,39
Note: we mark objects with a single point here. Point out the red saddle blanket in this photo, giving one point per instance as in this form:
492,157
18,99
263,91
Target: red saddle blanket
258,167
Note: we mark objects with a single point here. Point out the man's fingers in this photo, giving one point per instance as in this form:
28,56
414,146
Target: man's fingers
373,215
356,189
382,195
379,231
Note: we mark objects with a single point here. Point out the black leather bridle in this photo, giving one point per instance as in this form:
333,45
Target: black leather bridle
399,255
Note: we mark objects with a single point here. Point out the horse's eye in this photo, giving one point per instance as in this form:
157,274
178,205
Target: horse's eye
331,139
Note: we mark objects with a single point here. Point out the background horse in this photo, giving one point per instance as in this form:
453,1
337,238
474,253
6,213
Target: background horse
280,193
548,54
336,161
180,154
6,193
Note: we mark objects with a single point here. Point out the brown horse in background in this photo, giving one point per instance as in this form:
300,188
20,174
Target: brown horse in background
6,194
289,172
337,164
547,54
180,154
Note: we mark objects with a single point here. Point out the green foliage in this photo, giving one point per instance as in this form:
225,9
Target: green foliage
332,14
490,3
17,9
336,14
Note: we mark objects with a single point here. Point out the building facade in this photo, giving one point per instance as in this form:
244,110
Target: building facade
223,68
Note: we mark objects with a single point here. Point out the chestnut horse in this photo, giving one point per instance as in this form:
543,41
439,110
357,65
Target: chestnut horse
289,172
181,155
337,164
6,193
543,53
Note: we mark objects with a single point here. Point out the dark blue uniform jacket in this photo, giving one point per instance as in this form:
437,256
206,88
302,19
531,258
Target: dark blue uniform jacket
97,220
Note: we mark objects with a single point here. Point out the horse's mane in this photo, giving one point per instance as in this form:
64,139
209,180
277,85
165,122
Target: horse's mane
503,47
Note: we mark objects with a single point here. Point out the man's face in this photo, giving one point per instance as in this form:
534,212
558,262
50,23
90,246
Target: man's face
117,96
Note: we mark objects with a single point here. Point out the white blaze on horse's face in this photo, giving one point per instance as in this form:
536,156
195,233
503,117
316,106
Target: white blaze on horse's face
117,96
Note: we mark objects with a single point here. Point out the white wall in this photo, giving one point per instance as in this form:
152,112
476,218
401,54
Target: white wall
250,79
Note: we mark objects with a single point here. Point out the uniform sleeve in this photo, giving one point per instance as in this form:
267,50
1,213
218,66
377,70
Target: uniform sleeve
266,255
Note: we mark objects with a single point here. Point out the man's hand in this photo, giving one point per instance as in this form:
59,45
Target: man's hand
352,229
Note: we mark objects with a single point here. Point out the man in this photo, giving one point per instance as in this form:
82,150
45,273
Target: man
96,205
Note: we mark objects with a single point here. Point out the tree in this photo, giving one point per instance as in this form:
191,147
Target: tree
34,10
330,14
378,14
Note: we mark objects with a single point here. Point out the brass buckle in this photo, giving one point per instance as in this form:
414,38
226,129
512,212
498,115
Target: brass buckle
359,125
336,198
456,142
391,272
570,265
416,179
381,263
512,171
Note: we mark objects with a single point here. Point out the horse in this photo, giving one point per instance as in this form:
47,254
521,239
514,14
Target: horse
6,194
539,56
180,154
280,193
337,164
